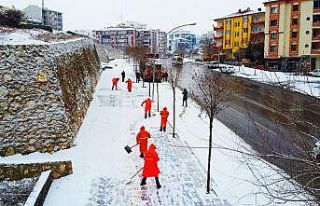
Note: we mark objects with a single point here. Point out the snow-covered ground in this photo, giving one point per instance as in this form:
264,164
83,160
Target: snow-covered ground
11,36
102,167
301,83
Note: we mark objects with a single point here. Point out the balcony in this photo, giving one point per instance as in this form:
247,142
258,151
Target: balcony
217,38
316,10
257,23
315,48
257,33
218,28
316,24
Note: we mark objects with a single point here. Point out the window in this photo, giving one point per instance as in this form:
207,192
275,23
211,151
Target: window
308,18
316,19
228,22
316,4
274,22
273,48
245,19
295,7
274,9
273,35
245,30
294,35
306,46
295,21
228,32
294,47
307,32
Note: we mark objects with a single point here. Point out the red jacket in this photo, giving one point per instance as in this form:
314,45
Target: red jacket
147,103
142,139
129,84
115,81
151,158
164,116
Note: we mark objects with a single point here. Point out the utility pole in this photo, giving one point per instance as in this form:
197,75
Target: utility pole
42,12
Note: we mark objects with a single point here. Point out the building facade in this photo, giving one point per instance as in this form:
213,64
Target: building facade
292,37
181,42
50,18
236,31
130,35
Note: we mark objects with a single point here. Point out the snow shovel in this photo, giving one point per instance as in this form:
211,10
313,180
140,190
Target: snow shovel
130,180
129,149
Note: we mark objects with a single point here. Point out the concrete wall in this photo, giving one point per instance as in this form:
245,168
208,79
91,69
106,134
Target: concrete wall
45,91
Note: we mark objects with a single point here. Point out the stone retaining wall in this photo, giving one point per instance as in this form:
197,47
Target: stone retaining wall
21,171
45,91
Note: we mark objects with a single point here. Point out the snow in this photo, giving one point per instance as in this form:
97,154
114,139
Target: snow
10,36
102,168
19,37
300,83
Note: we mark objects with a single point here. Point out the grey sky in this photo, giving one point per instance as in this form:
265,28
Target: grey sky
163,14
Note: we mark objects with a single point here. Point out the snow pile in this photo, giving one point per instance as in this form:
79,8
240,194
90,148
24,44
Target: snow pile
300,83
19,36
11,36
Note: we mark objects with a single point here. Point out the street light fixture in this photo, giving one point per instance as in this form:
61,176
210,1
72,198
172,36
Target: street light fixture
153,76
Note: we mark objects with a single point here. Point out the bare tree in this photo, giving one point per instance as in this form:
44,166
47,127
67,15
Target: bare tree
291,149
174,73
212,93
207,46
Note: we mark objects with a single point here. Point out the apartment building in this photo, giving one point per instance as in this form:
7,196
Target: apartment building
50,18
181,41
292,37
236,31
130,35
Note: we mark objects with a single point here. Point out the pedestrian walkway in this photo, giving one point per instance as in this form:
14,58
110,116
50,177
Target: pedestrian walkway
102,168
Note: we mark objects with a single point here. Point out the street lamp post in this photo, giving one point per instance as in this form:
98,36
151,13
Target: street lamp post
42,12
160,55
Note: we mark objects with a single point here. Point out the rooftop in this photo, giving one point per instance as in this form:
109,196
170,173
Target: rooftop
240,12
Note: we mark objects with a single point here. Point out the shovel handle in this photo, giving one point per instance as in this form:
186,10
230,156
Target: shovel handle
133,146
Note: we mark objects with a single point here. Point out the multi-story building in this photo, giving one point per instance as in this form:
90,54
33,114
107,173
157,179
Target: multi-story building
292,37
117,37
181,41
236,31
130,35
49,18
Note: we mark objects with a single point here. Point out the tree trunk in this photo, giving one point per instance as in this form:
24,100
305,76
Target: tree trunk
174,112
209,156
158,109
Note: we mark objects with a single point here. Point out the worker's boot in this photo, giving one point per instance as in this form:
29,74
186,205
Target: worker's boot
160,129
145,115
164,129
141,155
144,181
149,114
158,183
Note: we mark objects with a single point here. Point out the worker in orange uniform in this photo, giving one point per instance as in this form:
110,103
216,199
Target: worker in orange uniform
115,83
142,140
129,85
164,119
147,107
150,167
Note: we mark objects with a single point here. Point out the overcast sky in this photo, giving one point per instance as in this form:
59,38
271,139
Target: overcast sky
162,14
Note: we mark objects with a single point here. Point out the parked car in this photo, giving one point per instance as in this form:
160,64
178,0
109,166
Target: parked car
213,65
177,61
227,69
315,72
